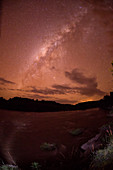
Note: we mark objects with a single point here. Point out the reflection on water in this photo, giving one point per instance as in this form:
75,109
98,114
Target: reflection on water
9,128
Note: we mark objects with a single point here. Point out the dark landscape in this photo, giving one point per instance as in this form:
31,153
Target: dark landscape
31,105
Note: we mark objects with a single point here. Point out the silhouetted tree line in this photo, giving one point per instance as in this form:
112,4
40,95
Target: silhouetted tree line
25,104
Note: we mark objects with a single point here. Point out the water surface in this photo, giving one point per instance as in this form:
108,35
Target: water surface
22,133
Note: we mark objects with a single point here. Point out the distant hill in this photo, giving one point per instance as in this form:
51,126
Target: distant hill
25,104
31,105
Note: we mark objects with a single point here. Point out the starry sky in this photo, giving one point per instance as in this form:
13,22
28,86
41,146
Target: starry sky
57,50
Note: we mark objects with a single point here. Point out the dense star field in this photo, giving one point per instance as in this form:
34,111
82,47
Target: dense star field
56,50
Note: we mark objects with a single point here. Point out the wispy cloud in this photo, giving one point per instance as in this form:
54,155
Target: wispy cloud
2,88
4,81
46,91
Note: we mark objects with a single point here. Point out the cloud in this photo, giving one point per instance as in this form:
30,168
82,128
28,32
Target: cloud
36,91
90,91
2,88
90,83
88,88
61,87
37,96
46,91
65,88
78,77
4,81
54,90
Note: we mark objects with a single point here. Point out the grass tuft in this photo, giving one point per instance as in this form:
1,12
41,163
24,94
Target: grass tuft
35,166
76,132
9,167
48,146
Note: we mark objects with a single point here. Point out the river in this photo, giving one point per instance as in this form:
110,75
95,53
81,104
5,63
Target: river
22,133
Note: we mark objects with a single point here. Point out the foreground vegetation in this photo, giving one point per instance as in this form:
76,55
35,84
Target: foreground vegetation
34,166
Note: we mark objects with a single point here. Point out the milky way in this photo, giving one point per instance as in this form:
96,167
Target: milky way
51,52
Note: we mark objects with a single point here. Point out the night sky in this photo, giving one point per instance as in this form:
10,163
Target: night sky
57,50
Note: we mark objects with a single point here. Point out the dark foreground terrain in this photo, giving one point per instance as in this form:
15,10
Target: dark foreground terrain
22,134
